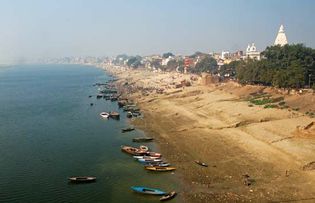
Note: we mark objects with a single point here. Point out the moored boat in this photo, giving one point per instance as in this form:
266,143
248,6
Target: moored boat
164,164
144,148
168,196
82,179
127,129
132,150
142,139
146,190
149,160
145,157
155,154
201,163
159,168
114,115
104,115
129,114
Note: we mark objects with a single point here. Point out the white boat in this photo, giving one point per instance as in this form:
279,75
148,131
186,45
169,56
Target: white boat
144,148
149,160
104,115
145,157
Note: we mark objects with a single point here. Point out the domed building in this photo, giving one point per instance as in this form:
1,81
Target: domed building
251,52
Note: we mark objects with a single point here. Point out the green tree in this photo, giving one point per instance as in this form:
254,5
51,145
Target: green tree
207,64
134,61
168,54
289,66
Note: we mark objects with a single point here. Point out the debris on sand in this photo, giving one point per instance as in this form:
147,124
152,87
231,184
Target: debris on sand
248,181
309,166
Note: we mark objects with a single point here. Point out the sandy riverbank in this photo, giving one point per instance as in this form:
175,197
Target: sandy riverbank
216,125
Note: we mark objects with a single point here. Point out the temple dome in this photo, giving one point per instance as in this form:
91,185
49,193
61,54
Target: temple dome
281,38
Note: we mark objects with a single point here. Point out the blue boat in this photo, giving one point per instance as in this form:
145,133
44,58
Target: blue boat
146,190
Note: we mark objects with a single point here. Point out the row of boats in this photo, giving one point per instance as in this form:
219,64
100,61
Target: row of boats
152,161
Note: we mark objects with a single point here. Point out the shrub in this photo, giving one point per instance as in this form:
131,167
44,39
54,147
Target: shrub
270,106
261,101
282,103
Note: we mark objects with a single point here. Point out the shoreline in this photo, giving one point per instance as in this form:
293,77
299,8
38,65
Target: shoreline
214,124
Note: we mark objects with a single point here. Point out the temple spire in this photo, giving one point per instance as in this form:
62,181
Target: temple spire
281,38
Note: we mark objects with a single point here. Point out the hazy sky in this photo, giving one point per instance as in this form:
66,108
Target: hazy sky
52,28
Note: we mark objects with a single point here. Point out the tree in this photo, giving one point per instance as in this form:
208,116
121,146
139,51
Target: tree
229,69
207,64
134,61
289,66
168,54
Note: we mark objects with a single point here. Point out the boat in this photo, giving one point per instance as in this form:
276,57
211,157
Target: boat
201,163
145,157
108,91
162,164
149,160
159,168
104,114
82,179
129,114
155,154
114,115
122,103
168,196
113,98
132,150
127,129
146,190
144,148
142,139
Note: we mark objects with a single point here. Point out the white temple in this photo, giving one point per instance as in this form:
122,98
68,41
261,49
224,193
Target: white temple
281,39
251,52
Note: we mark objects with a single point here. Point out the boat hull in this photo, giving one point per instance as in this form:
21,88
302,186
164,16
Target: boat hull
148,191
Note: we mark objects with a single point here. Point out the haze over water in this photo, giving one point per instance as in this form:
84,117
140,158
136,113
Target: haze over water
49,131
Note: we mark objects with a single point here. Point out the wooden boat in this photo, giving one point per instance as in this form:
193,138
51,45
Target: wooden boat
162,164
159,168
104,115
145,157
201,163
127,129
154,154
142,139
144,148
99,96
168,196
121,103
132,150
82,179
113,98
149,160
129,114
148,191
114,115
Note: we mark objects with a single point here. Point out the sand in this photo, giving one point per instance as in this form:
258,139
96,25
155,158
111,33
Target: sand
241,144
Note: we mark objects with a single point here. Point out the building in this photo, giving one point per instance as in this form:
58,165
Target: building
281,38
251,52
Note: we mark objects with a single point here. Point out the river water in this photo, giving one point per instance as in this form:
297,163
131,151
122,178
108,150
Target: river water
49,131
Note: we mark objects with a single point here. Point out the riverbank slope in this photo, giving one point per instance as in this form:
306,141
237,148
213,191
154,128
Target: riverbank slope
242,143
